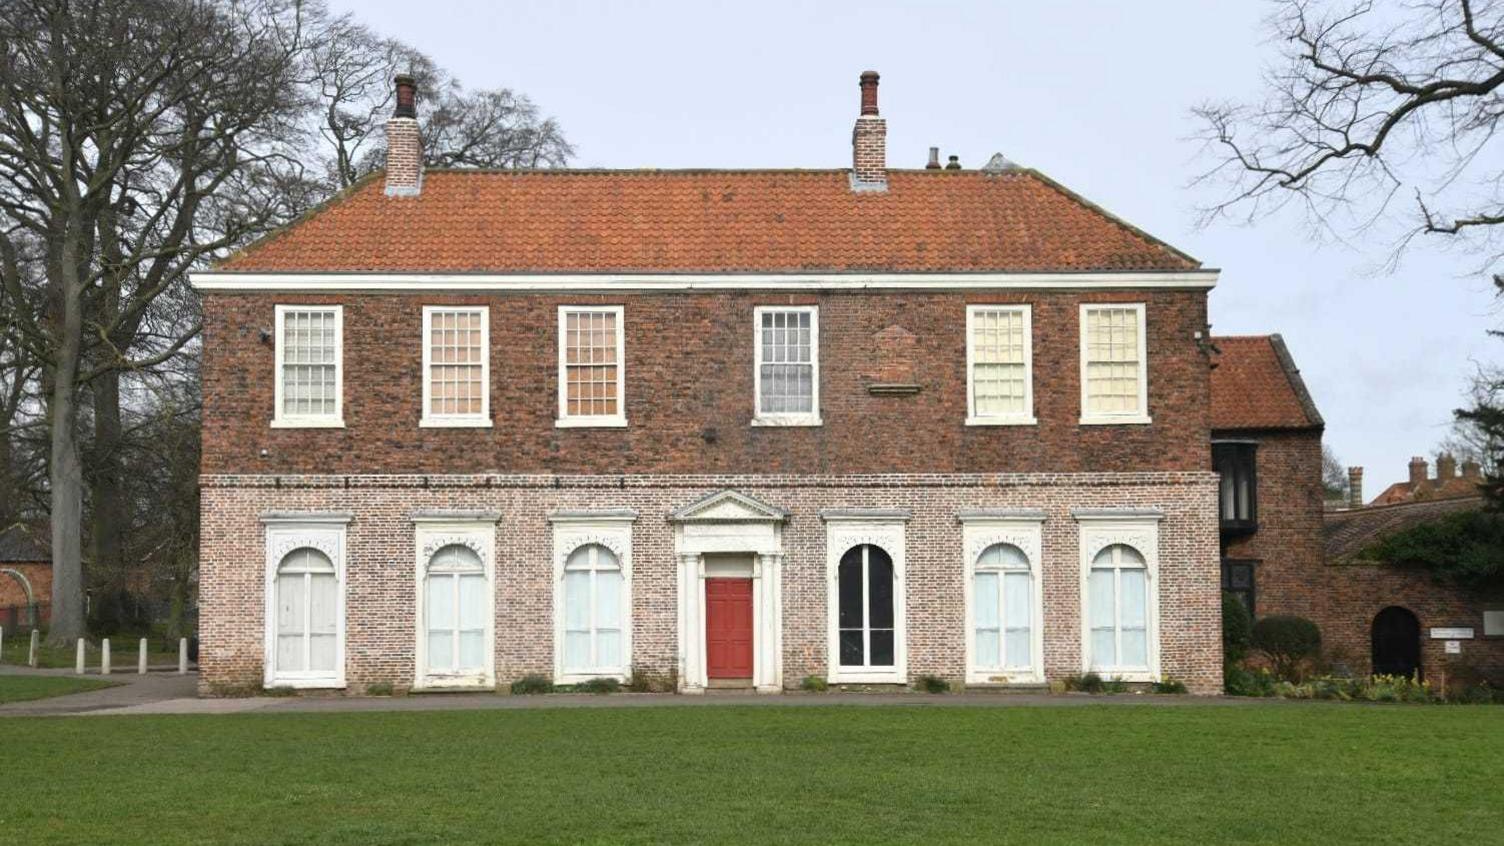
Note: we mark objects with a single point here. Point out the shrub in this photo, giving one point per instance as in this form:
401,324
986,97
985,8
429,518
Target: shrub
1238,680
1114,685
603,684
1089,683
1288,641
931,684
1170,686
532,683
646,681
1237,629
814,684
379,689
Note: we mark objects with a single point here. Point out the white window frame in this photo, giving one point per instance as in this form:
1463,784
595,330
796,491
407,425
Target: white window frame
882,528
286,533
566,420
980,531
1139,530
309,421
480,420
810,418
611,529
433,533
1026,418
1141,416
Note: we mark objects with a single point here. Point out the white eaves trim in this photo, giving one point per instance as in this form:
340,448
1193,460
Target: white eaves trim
614,282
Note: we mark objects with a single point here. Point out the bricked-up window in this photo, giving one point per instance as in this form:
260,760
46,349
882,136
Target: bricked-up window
1003,593
308,378
1238,491
787,375
594,611
866,608
591,379
1114,376
998,364
456,366
1117,600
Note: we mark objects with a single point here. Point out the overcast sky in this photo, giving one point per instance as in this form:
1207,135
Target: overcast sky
1096,96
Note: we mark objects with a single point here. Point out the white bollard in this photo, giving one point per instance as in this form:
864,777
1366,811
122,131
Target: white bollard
182,656
104,657
2,645
36,642
141,658
78,658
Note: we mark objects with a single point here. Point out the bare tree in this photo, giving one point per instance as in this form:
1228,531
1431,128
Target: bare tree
137,138
1375,113
1334,480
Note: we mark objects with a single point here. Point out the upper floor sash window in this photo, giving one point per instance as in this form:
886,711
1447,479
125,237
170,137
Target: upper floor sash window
999,364
456,366
309,372
1114,366
592,378
787,370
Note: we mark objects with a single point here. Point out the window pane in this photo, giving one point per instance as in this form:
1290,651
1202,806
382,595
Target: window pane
851,648
440,651
1134,600
880,583
608,599
608,649
440,604
472,602
850,586
1135,648
1017,597
987,647
472,651
1103,648
985,598
321,653
882,648
290,653
576,650
291,604
1100,599
577,600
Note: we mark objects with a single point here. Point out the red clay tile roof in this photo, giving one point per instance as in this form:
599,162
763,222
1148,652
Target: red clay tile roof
1255,385
1347,533
1456,487
710,221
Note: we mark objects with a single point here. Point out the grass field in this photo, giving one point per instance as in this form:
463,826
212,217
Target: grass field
1291,773
23,688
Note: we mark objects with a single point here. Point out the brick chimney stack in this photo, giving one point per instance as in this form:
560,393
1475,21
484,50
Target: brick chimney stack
1446,467
1355,487
404,148
869,142
1472,471
1417,470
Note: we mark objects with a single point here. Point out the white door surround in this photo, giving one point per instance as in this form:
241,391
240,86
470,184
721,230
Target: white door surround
730,522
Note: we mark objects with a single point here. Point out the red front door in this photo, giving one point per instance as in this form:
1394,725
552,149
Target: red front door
728,628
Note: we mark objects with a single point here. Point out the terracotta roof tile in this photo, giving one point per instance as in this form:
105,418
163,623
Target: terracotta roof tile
710,221
1347,533
1456,487
1255,386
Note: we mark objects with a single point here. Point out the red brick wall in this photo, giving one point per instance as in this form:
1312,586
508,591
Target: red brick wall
1343,600
689,362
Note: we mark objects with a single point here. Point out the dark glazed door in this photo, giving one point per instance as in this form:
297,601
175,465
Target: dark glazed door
728,628
1396,643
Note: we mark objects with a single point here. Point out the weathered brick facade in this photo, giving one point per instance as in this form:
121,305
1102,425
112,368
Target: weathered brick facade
689,371
381,586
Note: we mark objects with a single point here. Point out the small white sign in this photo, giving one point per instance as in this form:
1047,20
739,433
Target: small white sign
1454,647
1452,634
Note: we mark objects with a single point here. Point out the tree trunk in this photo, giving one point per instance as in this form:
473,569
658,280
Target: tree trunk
65,470
109,517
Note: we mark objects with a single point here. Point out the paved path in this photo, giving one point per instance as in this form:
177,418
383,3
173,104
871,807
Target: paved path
164,693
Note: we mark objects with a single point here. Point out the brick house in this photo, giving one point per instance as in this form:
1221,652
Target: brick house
25,578
741,427
1284,553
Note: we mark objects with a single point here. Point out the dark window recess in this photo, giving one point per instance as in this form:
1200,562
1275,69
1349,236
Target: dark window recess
865,611
1238,499
1238,580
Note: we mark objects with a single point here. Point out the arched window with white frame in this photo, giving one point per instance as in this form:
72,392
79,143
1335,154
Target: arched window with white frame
594,611
306,602
1117,611
1003,614
456,615
865,586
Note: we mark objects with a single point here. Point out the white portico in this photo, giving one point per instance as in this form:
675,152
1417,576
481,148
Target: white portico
729,537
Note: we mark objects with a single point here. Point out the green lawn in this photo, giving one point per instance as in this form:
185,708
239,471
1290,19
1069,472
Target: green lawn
1296,773
23,688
